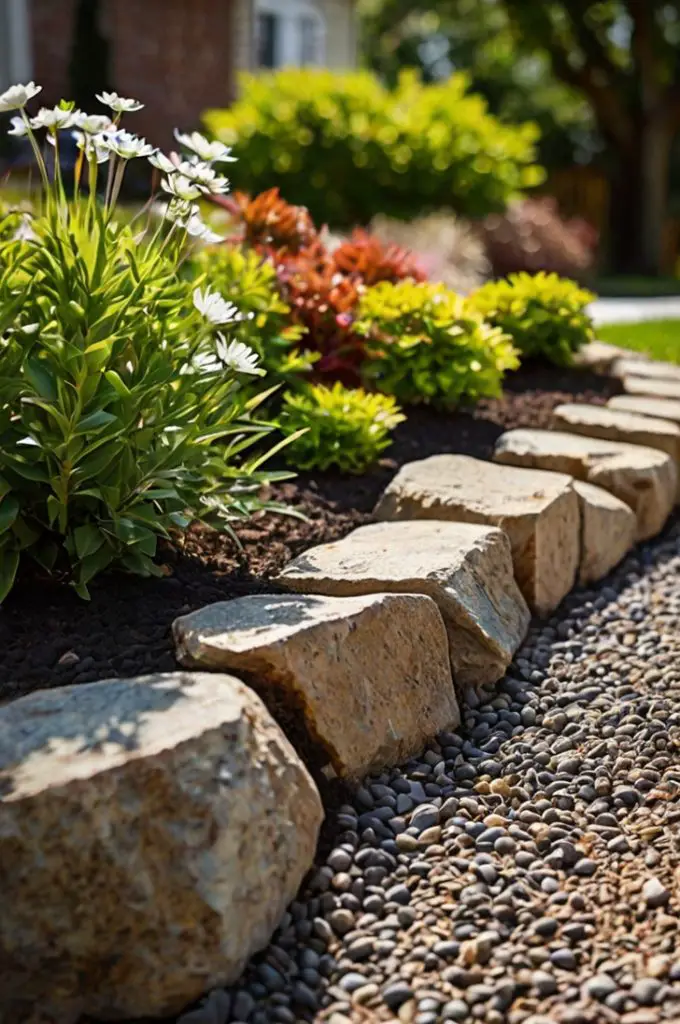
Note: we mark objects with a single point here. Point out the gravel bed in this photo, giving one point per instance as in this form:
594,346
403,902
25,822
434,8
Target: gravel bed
524,869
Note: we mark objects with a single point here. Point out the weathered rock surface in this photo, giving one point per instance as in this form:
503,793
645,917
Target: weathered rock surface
608,528
652,386
628,367
467,569
619,425
644,478
370,675
657,408
539,512
152,832
599,356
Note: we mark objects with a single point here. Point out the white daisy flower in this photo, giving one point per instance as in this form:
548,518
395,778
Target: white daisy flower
126,145
197,228
180,187
18,128
94,124
17,96
162,162
54,119
178,210
211,152
237,356
215,308
94,146
207,362
204,175
119,103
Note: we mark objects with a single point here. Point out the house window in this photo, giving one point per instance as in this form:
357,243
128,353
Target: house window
267,43
289,33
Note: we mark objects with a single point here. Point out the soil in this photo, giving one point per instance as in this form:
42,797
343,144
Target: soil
49,637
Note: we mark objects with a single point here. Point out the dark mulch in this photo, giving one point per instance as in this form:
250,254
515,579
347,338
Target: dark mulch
48,637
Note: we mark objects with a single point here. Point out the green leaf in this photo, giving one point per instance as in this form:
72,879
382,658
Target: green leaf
95,421
41,379
9,563
88,539
9,510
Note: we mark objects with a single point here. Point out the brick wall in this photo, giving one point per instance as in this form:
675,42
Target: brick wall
51,31
176,56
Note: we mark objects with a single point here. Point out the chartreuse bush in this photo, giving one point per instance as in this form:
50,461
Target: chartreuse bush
251,283
545,315
347,147
345,428
123,414
424,343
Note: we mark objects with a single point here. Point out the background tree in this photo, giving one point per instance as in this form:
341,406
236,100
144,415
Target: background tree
614,63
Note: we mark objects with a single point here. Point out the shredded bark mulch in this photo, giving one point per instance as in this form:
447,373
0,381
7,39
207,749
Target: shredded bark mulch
49,637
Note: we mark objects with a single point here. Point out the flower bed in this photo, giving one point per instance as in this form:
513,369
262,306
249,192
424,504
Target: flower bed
50,638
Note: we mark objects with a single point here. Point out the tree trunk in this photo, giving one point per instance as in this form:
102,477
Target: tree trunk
639,201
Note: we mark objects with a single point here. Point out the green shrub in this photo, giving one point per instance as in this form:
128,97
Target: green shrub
424,343
347,148
544,314
123,414
346,428
249,281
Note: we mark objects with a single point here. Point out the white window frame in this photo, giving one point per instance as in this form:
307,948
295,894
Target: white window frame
289,14
16,63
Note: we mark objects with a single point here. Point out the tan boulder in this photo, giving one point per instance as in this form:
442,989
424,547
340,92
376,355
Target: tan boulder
367,677
152,832
644,478
618,425
598,356
627,367
538,511
466,569
657,408
652,386
607,532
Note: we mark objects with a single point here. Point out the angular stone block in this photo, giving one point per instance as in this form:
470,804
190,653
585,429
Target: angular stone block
653,387
598,356
370,675
627,367
466,569
608,528
619,425
644,478
152,832
538,511
657,408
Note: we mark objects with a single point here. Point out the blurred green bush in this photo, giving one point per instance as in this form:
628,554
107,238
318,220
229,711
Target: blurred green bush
346,147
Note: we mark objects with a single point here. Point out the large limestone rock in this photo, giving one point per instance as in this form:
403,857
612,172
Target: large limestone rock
644,478
538,511
369,676
467,569
607,532
618,425
599,356
654,387
657,408
152,832
627,367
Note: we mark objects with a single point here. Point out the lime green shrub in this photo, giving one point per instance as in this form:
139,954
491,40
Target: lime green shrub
545,315
346,428
347,147
250,281
424,343
123,407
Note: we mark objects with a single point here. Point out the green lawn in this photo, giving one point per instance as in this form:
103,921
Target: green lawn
657,338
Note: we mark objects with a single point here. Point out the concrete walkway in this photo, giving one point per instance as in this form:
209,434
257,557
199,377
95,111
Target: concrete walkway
620,311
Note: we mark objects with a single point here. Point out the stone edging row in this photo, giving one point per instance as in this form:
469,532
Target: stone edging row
152,831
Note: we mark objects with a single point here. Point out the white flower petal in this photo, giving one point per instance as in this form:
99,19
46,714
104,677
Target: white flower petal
17,96
210,152
237,356
119,103
215,308
18,128
162,162
180,187
54,119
